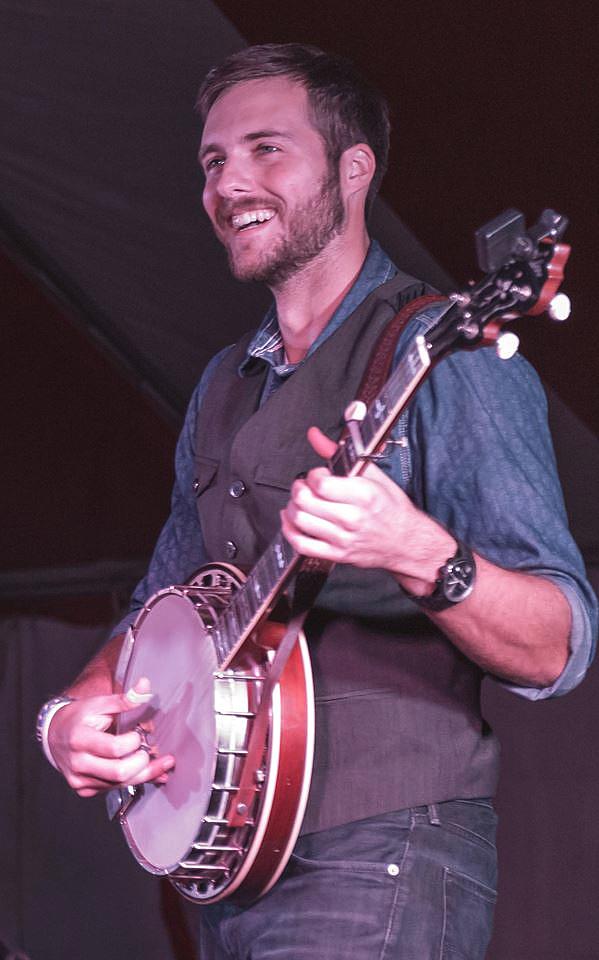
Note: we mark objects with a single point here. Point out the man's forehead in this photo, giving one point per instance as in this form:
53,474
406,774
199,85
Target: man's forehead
261,101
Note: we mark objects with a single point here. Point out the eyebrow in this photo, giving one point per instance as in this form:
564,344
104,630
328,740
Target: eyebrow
248,138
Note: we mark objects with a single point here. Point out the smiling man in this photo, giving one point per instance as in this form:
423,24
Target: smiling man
396,856
260,136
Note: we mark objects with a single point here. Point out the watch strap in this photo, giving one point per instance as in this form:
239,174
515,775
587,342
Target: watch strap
454,583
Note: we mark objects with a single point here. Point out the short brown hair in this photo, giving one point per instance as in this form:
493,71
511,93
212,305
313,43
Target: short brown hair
346,109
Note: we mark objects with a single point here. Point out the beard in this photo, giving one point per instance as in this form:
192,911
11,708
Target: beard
314,224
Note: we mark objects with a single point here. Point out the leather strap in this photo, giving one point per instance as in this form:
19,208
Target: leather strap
381,357
375,376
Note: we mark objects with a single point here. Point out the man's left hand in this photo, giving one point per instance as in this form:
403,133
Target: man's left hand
367,521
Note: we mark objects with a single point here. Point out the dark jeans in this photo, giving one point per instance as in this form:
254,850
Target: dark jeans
418,884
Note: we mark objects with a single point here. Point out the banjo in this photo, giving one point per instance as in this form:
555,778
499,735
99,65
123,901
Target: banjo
232,687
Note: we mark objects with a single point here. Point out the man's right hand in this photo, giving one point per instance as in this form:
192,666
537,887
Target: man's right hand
93,760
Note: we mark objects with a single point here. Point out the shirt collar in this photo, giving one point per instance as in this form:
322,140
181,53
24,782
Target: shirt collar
267,344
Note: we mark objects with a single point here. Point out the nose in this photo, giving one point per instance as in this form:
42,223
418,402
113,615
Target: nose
234,179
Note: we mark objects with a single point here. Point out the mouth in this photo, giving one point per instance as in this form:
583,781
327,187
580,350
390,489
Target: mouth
250,219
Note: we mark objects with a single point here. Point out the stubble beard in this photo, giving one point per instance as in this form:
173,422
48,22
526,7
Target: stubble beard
314,224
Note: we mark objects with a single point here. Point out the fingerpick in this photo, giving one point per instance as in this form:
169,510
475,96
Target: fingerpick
134,697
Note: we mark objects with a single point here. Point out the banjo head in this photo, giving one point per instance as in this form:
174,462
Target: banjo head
173,649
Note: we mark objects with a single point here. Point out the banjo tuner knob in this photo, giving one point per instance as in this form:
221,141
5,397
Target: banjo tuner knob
507,345
559,308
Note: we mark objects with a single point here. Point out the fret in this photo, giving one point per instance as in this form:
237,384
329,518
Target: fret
261,579
398,388
241,605
336,463
220,645
380,410
279,553
350,456
344,458
292,556
273,570
367,430
231,623
259,592
409,367
251,597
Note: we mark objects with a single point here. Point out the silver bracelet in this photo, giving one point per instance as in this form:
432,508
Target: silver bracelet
44,719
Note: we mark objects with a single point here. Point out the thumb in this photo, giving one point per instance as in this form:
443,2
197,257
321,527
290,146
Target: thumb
323,446
102,709
137,695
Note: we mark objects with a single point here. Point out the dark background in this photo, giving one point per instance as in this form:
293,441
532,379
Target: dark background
115,295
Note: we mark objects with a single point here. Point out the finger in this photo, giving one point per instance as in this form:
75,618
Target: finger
137,695
306,524
107,706
324,519
154,770
92,773
308,546
123,770
354,491
88,739
323,446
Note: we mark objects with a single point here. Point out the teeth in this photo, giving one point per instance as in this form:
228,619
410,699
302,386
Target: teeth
251,216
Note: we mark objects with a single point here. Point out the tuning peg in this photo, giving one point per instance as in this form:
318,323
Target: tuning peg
506,345
559,308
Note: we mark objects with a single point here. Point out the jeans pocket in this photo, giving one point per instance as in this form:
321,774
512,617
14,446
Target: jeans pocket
472,820
468,907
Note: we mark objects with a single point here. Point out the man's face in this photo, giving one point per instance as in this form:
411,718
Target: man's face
272,198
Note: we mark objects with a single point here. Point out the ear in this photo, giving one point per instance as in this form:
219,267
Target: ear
357,167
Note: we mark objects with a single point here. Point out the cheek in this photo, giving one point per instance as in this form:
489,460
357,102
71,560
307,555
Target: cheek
208,200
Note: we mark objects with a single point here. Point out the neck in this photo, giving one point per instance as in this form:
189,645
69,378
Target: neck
307,301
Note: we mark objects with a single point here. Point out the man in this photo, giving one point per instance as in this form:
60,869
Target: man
396,857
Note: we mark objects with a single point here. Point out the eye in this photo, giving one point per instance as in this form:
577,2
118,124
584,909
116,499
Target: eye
213,163
267,148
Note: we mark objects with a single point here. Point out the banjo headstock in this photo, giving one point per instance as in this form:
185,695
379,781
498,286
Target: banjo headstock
523,272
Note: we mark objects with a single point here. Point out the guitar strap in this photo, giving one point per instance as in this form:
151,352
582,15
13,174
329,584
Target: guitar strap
314,572
381,357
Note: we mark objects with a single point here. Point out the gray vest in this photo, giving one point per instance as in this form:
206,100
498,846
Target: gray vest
398,719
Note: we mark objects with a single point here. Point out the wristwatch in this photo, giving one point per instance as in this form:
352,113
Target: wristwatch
44,719
454,583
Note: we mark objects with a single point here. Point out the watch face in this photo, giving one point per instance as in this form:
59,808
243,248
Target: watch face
458,581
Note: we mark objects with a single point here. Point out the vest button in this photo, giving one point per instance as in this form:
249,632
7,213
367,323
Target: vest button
195,485
230,549
237,489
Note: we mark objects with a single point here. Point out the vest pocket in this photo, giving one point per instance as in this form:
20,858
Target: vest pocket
206,470
270,477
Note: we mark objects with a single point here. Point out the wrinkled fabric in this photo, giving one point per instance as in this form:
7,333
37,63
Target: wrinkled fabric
419,884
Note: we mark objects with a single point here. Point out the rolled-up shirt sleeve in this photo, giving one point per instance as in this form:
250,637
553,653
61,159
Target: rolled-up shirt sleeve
581,643
483,464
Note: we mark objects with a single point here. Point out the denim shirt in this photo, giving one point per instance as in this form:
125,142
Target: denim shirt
473,450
